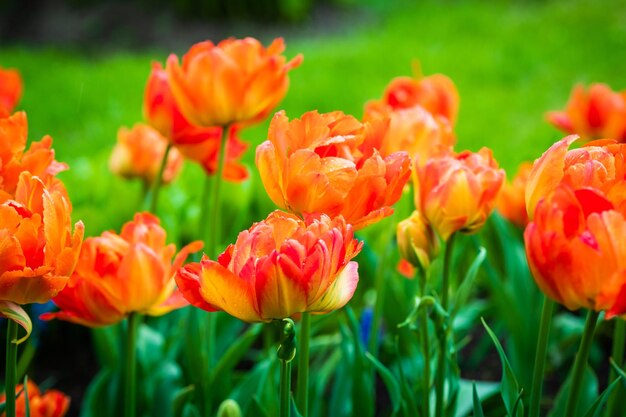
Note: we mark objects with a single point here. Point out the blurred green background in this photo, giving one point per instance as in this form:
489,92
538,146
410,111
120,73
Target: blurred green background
511,61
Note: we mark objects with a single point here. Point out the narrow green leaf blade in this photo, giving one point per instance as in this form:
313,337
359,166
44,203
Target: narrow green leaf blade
478,408
16,313
389,380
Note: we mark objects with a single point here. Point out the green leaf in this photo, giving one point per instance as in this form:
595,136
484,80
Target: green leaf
599,402
234,354
362,392
181,398
420,303
588,394
191,410
510,390
465,289
478,408
256,409
390,382
102,395
26,402
16,313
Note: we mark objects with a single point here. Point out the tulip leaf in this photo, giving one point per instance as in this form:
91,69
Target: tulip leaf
256,409
181,398
599,402
390,382
362,399
464,290
478,408
26,399
16,313
234,354
509,387
588,394
409,405
420,303
191,410
617,369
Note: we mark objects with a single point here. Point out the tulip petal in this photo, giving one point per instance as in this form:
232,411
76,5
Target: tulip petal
340,292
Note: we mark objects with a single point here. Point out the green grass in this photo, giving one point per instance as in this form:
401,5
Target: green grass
510,61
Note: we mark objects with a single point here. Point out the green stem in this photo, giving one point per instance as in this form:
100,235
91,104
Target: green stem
213,237
581,363
286,352
285,388
423,317
443,332
540,356
380,286
10,371
302,393
158,181
130,371
617,353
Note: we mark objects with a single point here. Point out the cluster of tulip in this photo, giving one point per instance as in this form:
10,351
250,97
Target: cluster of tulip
332,174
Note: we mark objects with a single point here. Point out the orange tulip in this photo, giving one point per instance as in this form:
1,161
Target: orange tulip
417,241
413,130
598,164
511,203
139,152
324,163
435,93
575,249
598,112
38,159
235,81
38,251
11,87
279,267
120,274
51,403
198,144
456,192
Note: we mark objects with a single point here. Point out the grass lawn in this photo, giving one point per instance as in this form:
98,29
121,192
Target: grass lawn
511,61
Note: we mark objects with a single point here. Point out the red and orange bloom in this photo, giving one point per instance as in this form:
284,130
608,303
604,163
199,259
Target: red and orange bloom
139,152
435,93
324,163
456,192
121,274
198,144
417,241
575,250
50,403
235,81
279,267
11,87
38,250
413,130
511,203
595,113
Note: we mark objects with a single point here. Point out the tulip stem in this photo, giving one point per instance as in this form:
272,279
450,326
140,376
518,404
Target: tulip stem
130,377
10,371
213,237
423,317
158,181
581,363
443,331
617,353
286,352
302,394
540,356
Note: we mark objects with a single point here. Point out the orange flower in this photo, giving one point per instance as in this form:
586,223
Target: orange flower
10,90
51,403
324,163
435,93
598,164
511,203
38,251
456,192
279,267
120,274
199,144
575,250
235,81
596,113
139,152
413,129
417,241
38,159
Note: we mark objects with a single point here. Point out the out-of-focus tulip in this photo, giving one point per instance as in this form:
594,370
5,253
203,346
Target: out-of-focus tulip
198,144
235,81
38,159
323,163
50,403
456,192
38,250
598,112
436,93
279,267
139,152
599,164
11,87
413,130
511,203
417,241
120,274
576,252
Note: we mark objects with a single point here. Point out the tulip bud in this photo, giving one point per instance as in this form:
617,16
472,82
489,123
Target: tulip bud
229,408
417,241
